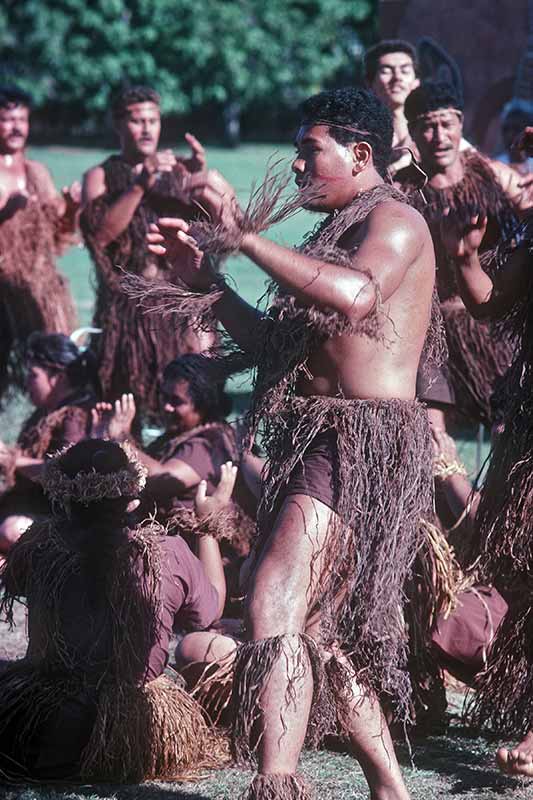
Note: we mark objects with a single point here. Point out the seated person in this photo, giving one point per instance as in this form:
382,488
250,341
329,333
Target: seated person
196,443
90,699
462,638
62,385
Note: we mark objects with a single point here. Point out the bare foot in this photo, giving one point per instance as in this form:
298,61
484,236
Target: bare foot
519,760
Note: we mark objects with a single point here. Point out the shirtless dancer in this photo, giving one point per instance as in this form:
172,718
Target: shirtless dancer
36,224
121,197
348,325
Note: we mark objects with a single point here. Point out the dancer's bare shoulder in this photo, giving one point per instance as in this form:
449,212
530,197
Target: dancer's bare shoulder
94,184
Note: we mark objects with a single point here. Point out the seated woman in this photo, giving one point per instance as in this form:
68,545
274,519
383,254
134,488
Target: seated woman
62,385
89,699
195,444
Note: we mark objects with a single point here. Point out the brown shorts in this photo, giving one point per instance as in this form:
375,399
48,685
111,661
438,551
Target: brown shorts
463,639
433,386
314,475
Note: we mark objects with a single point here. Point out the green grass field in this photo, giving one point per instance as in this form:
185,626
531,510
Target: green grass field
455,765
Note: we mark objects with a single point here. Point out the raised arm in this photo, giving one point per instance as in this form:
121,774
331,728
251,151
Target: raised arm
170,238
390,241
114,422
120,213
483,297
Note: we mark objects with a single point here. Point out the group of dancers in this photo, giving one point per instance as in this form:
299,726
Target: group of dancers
322,588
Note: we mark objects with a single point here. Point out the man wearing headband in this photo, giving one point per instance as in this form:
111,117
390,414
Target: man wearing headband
121,197
36,225
463,191
349,472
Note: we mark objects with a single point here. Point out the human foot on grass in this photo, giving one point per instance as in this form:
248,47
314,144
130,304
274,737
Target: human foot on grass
519,760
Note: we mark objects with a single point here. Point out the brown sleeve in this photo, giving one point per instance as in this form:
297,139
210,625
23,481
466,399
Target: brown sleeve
74,428
199,607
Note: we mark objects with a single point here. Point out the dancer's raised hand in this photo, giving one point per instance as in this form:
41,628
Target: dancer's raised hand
170,238
197,161
462,241
208,506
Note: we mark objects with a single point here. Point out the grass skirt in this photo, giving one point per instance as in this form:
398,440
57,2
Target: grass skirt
383,484
478,360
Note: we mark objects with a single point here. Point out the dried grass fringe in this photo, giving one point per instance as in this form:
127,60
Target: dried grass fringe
278,787
478,193
152,732
34,295
479,359
132,349
502,553
385,461
141,732
503,700
254,662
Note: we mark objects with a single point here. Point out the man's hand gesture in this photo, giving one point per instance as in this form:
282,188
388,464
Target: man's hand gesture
170,238
197,161
151,168
209,506
462,242
113,421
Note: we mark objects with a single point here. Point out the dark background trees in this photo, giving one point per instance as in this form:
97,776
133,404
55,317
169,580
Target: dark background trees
225,64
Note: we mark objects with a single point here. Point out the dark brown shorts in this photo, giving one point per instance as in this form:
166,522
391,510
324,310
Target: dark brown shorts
463,639
433,386
314,475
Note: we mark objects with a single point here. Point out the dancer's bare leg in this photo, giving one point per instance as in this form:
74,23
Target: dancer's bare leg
519,760
282,591
372,745
281,588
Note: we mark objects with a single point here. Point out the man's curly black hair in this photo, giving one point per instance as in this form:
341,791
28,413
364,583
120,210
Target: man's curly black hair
128,95
12,97
383,48
353,115
431,96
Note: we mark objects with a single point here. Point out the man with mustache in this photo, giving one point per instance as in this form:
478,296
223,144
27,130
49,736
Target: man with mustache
36,225
121,197
466,191
349,472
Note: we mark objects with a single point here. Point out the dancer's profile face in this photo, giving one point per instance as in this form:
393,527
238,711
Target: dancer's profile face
180,412
324,164
40,385
14,129
139,130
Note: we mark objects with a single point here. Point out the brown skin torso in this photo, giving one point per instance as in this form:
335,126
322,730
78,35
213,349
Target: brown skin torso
364,367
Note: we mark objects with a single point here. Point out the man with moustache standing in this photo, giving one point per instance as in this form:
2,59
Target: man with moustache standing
465,192
36,225
121,197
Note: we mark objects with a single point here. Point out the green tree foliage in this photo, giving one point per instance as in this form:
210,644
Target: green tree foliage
72,52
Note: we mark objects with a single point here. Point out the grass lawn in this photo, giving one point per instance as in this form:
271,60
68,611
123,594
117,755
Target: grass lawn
456,765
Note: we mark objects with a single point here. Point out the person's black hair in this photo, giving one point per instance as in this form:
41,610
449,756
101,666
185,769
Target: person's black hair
353,115
97,528
431,96
205,384
56,352
129,95
383,48
12,97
